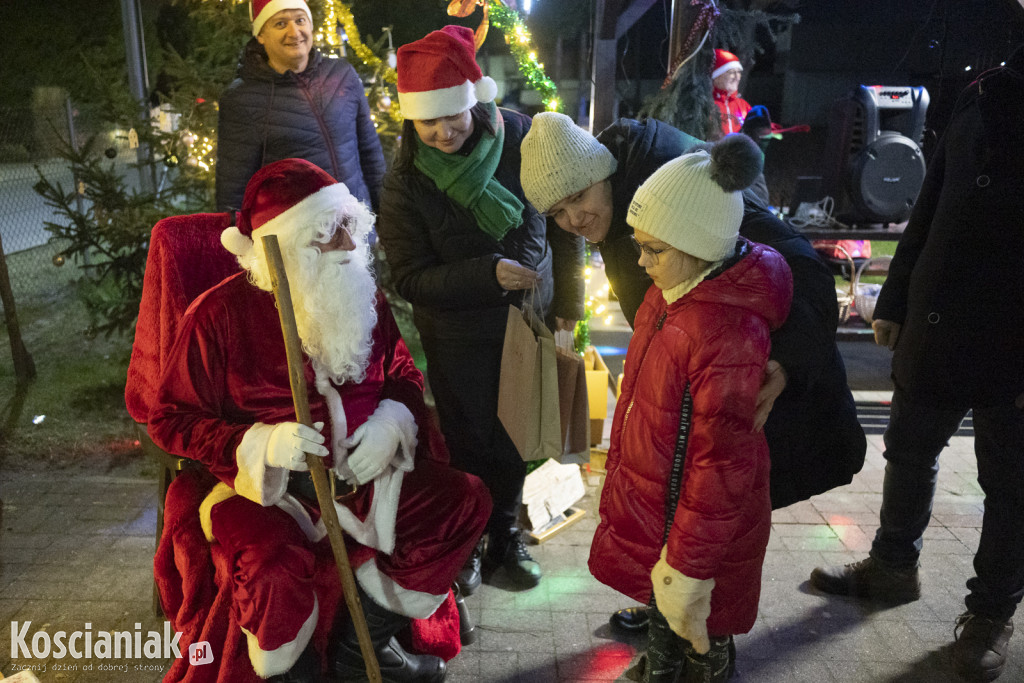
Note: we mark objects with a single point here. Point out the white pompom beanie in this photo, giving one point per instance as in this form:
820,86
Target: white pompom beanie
560,159
438,75
695,202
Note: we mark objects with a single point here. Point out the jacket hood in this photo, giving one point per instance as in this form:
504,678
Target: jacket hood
755,278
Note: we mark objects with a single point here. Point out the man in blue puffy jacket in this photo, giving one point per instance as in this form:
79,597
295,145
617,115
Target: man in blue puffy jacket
290,101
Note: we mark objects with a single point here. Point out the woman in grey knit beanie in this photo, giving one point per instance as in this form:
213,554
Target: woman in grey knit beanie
805,405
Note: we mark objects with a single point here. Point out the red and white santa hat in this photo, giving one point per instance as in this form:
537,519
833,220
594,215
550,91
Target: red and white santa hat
725,61
261,10
438,75
286,195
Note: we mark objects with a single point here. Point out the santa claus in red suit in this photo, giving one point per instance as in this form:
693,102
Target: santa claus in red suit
725,77
225,401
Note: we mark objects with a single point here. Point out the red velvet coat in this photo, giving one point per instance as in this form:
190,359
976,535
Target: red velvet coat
228,370
712,344
235,373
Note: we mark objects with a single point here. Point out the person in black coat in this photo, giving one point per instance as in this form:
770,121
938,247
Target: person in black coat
289,101
585,184
462,244
952,311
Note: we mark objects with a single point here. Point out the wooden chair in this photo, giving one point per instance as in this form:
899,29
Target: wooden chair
185,259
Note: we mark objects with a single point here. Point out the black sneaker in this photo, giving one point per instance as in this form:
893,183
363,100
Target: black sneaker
869,579
468,578
979,653
520,568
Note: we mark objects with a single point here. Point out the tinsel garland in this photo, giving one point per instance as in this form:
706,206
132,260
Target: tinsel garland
348,22
517,37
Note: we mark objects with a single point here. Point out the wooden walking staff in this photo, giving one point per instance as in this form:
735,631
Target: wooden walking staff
297,378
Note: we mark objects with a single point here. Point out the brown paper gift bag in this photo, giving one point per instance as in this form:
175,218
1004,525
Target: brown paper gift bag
573,406
528,386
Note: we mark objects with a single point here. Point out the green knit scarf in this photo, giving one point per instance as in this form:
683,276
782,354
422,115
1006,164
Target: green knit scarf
469,180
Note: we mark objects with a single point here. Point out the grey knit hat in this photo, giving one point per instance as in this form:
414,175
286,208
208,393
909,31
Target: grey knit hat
560,159
695,202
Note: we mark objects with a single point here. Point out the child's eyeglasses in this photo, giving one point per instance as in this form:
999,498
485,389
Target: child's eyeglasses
647,249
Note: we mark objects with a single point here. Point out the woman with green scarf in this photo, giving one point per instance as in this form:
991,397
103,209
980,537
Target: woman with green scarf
462,243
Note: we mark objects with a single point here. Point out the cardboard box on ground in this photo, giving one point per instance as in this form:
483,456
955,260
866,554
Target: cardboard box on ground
597,392
549,493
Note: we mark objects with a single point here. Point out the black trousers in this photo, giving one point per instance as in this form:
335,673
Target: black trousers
463,377
915,437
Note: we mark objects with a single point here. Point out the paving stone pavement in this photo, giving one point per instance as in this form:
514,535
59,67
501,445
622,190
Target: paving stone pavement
76,548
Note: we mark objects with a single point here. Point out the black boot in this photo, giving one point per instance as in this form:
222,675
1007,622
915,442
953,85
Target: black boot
714,666
505,549
666,651
396,665
467,629
979,653
306,669
469,578
630,620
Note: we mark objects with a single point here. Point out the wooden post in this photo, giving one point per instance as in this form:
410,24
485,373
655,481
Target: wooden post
24,366
297,378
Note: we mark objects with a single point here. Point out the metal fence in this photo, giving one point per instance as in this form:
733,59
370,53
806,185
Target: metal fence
30,143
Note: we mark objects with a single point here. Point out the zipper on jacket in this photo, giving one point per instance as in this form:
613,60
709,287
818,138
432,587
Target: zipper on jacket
323,130
657,326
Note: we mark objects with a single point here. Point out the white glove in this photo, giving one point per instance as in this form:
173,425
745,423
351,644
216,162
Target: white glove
289,443
372,447
684,602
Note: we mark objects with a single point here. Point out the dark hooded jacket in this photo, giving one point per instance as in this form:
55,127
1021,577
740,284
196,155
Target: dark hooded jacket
320,115
956,282
813,434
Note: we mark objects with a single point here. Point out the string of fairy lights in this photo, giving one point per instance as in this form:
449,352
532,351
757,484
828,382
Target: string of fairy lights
520,44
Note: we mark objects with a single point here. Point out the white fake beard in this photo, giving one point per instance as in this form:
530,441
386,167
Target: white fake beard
335,311
333,296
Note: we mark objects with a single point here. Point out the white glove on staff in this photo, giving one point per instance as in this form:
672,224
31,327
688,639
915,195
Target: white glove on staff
684,602
291,441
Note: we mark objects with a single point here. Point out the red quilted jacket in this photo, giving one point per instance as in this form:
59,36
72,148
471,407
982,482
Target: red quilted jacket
705,351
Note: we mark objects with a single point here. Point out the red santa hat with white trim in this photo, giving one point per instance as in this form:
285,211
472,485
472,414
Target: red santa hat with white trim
438,75
725,61
261,10
286,195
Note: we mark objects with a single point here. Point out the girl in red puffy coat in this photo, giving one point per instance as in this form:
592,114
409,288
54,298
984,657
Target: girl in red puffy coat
685,510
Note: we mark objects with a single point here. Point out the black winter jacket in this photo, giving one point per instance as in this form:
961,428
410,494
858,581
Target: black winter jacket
956,283
815,440
444,265
320,115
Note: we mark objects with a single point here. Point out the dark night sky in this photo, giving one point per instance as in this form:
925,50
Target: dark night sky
919,41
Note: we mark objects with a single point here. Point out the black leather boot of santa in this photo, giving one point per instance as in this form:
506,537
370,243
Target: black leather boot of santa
396,665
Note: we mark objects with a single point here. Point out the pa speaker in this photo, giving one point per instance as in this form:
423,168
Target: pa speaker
874,167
